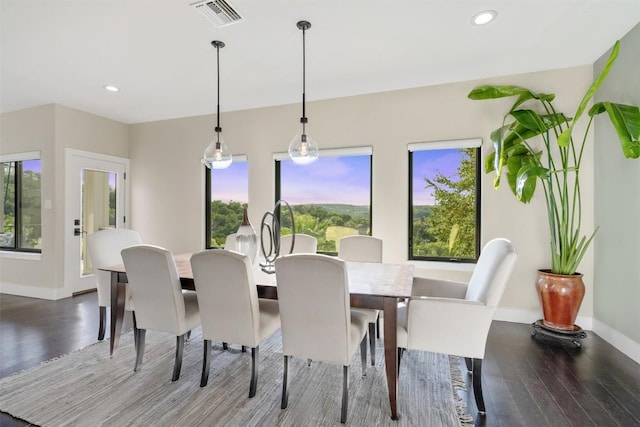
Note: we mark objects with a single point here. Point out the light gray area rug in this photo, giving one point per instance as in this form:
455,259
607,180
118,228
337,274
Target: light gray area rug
87,388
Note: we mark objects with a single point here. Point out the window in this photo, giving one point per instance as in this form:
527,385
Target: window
444,200
226,196
21,201
330,198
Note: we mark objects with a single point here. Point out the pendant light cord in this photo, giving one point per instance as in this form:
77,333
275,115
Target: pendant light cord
218,128
303,119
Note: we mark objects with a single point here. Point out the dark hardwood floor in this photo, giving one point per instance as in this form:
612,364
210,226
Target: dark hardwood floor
526,381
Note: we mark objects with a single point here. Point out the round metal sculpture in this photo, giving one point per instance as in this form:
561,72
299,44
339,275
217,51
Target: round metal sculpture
270,232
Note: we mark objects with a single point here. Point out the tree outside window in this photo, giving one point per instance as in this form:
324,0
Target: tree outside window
21,201
444,201
227,195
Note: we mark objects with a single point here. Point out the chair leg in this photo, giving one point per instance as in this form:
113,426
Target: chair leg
244,349
345,394
254,372
378,327
469,363
285,392
178,363
476,375
372,342
135,330
225,346
400,351
103,321
206,360
363,355
141,333
309,362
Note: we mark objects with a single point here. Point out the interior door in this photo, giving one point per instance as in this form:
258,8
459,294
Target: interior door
96,199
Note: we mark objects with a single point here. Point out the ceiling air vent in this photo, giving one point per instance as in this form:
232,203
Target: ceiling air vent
220,12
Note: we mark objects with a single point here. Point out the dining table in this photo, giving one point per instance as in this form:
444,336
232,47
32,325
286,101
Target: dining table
371,285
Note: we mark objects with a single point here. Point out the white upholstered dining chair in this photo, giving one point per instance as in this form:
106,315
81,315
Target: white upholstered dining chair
230,309
304,244
160,303
316,317
362,248
104,248
454,318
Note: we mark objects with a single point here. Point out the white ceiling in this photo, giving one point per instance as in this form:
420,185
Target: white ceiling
158,52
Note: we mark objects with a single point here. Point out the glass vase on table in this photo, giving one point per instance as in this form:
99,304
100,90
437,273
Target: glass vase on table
246,238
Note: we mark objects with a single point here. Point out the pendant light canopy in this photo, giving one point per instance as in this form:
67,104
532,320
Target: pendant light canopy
217,154
303,149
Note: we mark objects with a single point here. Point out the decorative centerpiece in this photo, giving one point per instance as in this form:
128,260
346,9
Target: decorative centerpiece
271,227
246,238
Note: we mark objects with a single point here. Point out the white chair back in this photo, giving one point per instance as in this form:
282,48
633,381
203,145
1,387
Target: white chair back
304,244
227,296
230,243
313,294
360,248
104,248
155,289
492,272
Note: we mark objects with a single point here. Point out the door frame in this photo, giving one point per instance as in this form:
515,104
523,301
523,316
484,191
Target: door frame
76,160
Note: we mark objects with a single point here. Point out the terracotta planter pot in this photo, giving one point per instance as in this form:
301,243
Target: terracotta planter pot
560,297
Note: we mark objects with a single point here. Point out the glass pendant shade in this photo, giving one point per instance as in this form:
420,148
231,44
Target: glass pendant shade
217,154
303,149
247,239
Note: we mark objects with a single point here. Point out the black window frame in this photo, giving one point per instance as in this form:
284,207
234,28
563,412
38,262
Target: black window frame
478,200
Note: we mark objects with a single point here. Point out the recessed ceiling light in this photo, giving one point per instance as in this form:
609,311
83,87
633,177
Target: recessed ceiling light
484,17
111,88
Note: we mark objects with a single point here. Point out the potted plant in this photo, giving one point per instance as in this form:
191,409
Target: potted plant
537,143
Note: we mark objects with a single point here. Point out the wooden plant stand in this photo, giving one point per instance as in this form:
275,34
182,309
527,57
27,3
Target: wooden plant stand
571,337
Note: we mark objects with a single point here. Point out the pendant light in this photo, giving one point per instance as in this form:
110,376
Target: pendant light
217,154
303,149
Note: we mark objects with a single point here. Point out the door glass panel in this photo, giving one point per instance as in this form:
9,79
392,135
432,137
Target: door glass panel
98,208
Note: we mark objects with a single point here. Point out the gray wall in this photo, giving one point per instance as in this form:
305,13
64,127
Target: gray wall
50,129
617,207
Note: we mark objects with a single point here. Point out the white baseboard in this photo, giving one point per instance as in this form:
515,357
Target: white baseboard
620,341
34,291
530,316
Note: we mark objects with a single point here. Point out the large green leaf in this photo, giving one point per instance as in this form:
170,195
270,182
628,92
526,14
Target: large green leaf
565,137
489,163
502,91
498,159
517,158
539,123
530,120
626,121
529,125
526,181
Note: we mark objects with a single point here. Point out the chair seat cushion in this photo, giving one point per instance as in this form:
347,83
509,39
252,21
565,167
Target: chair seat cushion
371,314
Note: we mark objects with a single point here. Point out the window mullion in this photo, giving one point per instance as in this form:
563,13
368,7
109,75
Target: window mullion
17,205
